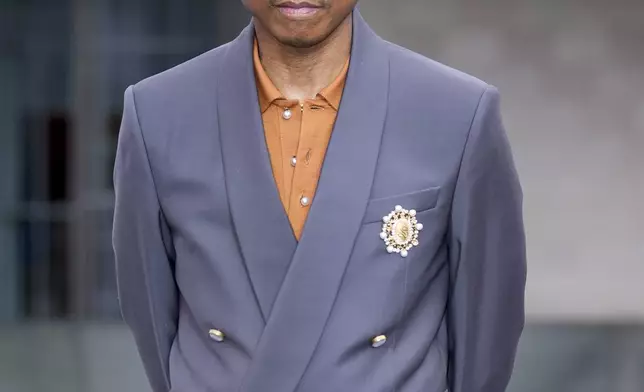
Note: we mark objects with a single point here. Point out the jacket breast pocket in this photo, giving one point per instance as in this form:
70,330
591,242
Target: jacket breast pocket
420,201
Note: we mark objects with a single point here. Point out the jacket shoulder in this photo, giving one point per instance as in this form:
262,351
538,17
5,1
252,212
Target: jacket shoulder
169,104
425,76
439,99
183,78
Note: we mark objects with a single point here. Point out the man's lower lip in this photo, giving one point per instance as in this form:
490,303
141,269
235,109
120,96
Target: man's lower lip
303,12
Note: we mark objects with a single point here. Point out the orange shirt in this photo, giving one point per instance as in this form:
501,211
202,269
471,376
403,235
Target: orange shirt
297,135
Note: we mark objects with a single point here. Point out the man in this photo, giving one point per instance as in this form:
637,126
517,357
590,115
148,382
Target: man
310,208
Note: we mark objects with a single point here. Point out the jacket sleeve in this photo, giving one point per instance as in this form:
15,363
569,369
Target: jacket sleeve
143,253
487,258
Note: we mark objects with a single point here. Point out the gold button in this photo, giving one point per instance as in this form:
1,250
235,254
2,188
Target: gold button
378,341
216,335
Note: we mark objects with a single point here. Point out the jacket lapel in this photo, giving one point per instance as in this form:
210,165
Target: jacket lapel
263,230
309,289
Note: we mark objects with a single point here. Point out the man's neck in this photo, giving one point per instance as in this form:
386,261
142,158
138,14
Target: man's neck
302,73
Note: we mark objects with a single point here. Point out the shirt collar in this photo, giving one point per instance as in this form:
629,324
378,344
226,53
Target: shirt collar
267,92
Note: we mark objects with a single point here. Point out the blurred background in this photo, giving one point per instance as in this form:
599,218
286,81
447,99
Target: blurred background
571,73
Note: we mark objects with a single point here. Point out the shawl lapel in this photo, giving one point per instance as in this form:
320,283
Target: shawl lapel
265,236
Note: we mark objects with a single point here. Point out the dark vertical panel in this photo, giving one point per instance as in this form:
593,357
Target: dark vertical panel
58,157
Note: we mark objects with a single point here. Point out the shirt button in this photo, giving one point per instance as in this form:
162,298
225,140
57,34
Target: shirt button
304,201
287,114
293,161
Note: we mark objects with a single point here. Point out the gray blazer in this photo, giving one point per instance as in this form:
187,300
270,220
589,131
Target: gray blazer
221,297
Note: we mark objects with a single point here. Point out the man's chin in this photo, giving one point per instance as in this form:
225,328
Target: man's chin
300,42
